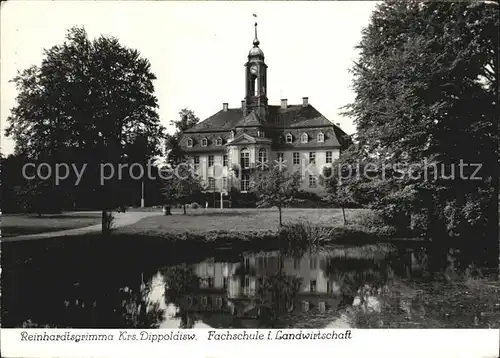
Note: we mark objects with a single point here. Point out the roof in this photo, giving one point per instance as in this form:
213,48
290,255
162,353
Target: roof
220,121
294,116
295,119
251,120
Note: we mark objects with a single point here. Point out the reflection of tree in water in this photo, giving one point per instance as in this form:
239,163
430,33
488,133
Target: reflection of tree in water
90,285
354,274
181,282
278,294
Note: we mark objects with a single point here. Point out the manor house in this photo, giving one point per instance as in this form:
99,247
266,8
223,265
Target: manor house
228,145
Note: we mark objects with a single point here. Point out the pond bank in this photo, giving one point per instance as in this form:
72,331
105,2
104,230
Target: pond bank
81,280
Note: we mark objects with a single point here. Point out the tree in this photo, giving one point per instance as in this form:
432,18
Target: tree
182,185
425,85
276,187
337,194
90,101
187,120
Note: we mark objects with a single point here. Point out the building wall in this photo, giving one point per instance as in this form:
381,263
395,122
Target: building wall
234,159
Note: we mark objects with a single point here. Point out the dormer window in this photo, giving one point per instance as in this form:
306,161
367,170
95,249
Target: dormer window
321,137
218,141
289,138
304,138
190,143
204,142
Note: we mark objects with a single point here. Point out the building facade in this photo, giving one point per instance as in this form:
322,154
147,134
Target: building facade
228,145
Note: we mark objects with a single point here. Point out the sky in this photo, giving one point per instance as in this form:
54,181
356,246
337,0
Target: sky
198,50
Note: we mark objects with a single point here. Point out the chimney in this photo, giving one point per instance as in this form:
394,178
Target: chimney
243,106
284,103
305,101
225,107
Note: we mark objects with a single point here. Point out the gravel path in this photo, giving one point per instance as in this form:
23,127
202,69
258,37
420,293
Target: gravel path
121,219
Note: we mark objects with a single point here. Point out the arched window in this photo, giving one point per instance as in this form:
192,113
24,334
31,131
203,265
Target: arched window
303,138
190,143
289,138
256,86
262,155
245,158
218,141
321,137
204,142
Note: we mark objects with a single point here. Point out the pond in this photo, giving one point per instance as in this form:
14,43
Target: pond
102,287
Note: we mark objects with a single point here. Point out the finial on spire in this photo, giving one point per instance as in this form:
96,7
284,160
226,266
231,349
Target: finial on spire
256,40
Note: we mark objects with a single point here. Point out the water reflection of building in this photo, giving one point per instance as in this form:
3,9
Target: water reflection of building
317,291
229,293
233,286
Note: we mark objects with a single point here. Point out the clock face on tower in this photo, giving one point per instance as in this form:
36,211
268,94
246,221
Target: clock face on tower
253,69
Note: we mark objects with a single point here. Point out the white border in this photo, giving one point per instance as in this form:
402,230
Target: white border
439,343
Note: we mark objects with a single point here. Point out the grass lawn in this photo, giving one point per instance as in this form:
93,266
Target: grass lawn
236,220
25,224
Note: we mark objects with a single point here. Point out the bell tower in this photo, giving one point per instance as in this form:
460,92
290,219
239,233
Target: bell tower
256,81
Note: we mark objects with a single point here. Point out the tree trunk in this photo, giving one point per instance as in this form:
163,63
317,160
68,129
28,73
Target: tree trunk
281,221
106,222
343,214
184,208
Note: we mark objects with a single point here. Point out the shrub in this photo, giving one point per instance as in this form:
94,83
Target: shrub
195,206
302,235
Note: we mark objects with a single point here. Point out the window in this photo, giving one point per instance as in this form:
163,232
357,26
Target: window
224,183
218,141
204,300
312,157
247,281
245,182
321,137
189,143
247,262
210,160
329,157
312,181
313,263
296,158
281,157
245,158
210,282
296,264
312,286
211,183
196,160
218,302
303,138
262,155
224,160
224,282
322,306
289,138
329,287
255,86
204,142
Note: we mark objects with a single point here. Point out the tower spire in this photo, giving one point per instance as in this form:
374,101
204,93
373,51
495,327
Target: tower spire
256,40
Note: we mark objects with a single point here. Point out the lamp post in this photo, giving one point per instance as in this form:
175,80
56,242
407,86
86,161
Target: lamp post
142,193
